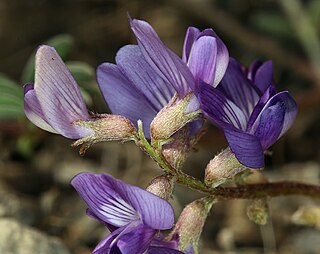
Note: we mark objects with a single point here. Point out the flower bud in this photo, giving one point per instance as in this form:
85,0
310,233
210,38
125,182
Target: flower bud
188,229
161,186
257,211
106,128
223,166
176,151
308,216
171,118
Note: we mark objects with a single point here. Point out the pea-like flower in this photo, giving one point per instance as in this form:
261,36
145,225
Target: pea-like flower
54,102
147,76
206,56
133,215
248,109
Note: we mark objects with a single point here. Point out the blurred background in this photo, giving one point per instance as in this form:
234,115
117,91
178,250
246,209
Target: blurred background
39,210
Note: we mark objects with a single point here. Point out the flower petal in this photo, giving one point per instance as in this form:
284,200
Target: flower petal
159,241
103,199
91,214
291,111
219,109
230,118
136,241
202,59
261,74
123,98
222,58
191,36
195,127
193,106
33,109
253,69
132,238
270,124
118,203
134,66
275,119
246,147
166,63
271,91
155,212
58,94
238,88
189,249
160,246
104,247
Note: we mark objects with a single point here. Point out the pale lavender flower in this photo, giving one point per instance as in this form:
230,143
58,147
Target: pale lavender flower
148,75
133,215
206,56
248,109
54,102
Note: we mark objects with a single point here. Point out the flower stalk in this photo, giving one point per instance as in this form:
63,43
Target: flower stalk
249,191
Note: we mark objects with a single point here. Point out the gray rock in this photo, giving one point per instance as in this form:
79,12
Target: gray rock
12,205
305,241
16,238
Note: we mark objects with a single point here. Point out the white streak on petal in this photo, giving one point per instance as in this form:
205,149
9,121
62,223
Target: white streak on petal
234,115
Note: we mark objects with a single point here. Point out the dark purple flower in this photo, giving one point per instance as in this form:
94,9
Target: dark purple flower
133,215
54,102
261,74
248,109
148,75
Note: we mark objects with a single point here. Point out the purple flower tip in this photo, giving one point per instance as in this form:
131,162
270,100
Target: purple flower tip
206,55
54,102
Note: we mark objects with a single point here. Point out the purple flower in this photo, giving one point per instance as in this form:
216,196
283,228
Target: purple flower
261,74
54,102
248,109
206,56
133,215
148,75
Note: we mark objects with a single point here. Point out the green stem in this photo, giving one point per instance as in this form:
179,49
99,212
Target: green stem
143,143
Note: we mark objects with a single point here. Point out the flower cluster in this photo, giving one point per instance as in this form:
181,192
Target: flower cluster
159,100
147,76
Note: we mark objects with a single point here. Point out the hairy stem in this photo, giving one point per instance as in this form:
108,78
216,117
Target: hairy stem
252,191
145,146
249,191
